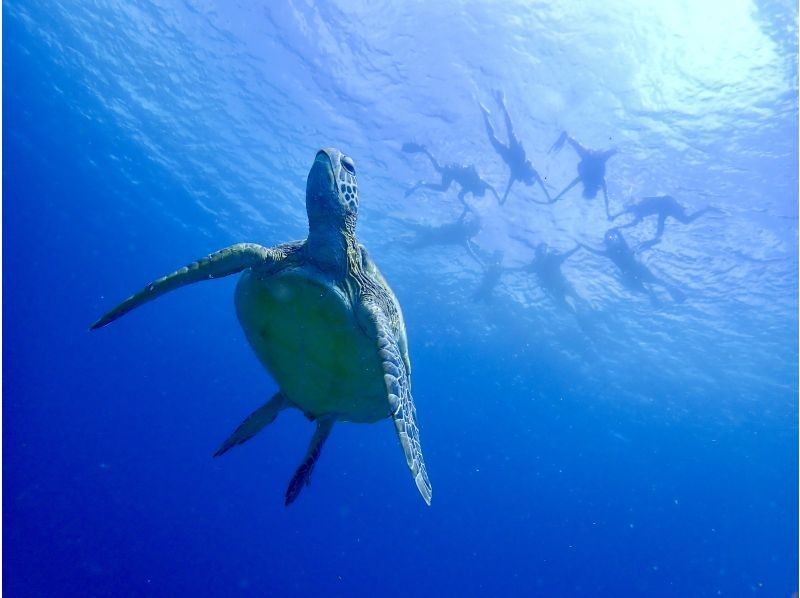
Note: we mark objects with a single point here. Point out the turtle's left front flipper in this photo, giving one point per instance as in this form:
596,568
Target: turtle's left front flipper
226,261
401,404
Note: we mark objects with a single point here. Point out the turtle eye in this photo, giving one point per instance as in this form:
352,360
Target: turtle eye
348,165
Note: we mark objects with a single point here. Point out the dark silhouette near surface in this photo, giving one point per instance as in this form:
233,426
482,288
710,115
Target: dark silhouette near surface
513,154
546,266
459,232
466,177
591,169
492,272
663,206
634,275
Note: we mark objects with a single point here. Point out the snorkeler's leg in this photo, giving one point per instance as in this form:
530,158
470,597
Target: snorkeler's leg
574,304
579,302
423,237
662,218
560,299
678,296
443,186
462,198
508,188
471,250
509,127
691,218
496,144
646,276
605,199
574,182
546,192
651,293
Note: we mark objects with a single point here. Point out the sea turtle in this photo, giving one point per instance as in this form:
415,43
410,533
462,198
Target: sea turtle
321,318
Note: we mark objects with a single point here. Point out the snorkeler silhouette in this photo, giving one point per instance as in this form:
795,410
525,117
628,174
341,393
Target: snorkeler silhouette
513,154
492,272
546,266
665,206
635,275
591,169
465,176
459,232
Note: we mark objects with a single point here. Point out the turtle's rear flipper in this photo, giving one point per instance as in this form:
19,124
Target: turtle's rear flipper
226,261
254,423
302,476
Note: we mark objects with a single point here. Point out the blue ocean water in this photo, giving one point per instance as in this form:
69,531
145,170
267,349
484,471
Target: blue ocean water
643,449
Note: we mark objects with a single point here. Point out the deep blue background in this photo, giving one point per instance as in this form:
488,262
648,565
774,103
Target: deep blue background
657,459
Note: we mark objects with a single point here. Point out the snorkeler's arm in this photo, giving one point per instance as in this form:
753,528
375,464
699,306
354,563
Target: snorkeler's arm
524,241
516,269
608,153
434,161
644,246
581,151
470,246
592,249
605,199
657,238
567,254
575,181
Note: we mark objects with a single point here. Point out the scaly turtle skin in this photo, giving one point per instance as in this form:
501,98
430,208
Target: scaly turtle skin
322,320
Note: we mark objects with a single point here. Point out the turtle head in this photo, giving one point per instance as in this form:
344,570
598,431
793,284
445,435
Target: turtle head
331,189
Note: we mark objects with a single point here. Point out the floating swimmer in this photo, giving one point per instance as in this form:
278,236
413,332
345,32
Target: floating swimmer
492,273
634,275
513,153
591,169
546,266
663,206
460,232
466,177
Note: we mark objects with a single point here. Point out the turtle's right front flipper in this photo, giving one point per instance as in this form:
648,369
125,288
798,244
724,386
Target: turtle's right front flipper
226,261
